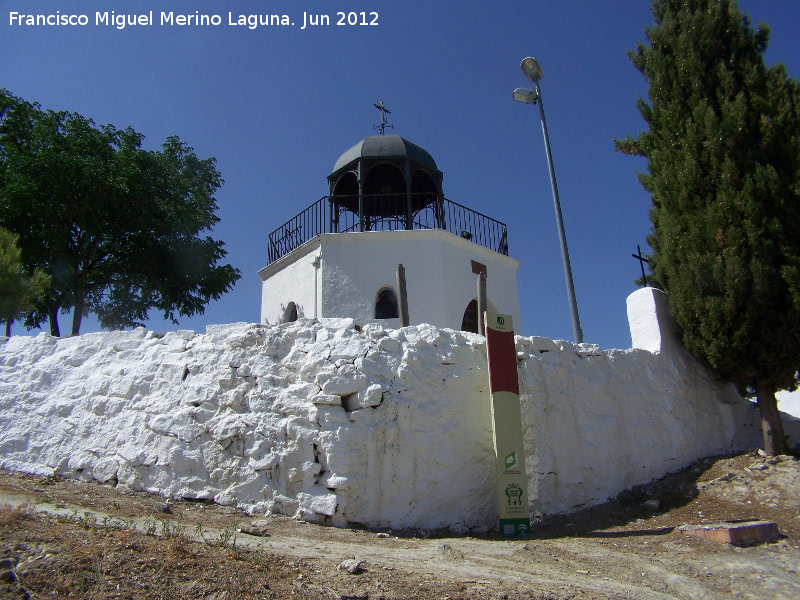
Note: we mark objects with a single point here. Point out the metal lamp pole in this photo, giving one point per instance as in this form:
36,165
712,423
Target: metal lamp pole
533,71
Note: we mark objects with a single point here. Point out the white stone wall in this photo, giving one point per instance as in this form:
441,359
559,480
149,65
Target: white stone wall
343,424
599,422
789,402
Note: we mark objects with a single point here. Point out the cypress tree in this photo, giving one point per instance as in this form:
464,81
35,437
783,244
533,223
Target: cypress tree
723,149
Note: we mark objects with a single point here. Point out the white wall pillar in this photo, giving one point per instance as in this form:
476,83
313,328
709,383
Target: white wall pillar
652,327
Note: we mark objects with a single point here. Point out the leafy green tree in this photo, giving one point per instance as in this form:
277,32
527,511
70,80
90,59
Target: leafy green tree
120,230
723,150
19,291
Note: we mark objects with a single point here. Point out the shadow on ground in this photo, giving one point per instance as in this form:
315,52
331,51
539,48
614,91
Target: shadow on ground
618,517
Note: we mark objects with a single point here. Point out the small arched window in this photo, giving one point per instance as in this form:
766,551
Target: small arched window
386,304
470,320
290,314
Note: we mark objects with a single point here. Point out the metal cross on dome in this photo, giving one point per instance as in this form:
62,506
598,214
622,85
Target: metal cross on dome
384,111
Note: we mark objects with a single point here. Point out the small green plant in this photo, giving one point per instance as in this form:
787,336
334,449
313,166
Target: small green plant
87,521
67,517
198,532
149,526
227,539
168,530
260,557
113,524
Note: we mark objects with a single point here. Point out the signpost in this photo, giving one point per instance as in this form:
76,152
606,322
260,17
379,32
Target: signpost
512,482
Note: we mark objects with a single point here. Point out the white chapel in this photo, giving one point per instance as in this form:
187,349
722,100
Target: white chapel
385,207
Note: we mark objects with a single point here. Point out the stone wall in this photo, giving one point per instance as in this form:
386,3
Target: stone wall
343,424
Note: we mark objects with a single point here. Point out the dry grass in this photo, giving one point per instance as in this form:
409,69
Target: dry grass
77,556
12,515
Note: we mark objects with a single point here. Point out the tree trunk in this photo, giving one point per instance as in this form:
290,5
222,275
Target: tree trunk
771,424
77,316
52,312
8,328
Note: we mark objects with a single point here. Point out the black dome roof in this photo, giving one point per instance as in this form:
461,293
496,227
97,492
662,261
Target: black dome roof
385,146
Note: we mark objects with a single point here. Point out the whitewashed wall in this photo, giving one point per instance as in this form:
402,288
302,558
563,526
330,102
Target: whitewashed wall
353,267
344,424
789,402
296,278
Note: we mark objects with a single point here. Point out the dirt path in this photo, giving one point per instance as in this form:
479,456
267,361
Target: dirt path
624,549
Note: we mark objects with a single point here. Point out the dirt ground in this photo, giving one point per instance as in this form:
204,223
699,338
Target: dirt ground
63,539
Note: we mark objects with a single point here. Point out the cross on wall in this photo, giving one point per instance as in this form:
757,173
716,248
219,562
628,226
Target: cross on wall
641,260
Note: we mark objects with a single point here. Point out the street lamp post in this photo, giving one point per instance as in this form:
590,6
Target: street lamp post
533,71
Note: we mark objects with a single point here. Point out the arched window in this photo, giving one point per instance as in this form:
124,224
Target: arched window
470,320
290,314
386,304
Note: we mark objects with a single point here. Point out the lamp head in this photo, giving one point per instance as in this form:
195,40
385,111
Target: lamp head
525,95
532,69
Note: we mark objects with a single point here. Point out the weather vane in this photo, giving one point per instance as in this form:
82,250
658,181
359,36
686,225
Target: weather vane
384,111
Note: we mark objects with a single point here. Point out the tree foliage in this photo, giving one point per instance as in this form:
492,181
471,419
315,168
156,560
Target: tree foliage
119,229
723,150
19,291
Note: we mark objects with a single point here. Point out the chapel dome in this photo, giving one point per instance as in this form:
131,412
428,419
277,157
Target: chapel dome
387,182
385,147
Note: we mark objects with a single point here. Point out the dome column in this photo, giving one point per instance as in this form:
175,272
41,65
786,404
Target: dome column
333,211
407,177
361,195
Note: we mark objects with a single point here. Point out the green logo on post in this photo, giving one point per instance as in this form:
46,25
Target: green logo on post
511,461
514,494
501,321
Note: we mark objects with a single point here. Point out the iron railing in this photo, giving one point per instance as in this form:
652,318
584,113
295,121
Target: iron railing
386,212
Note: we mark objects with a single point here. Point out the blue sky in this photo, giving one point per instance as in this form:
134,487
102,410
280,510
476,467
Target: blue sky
277,106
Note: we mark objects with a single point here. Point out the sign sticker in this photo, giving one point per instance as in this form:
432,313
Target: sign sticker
511,461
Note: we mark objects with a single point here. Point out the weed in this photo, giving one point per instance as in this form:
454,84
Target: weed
99,571
149,526
87,521
49,480
168,530
67,518
198,532
227,538
111,524
11,515
260,557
